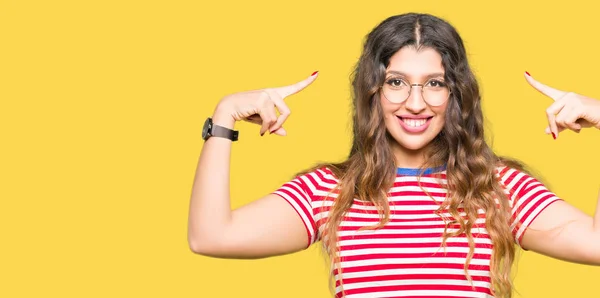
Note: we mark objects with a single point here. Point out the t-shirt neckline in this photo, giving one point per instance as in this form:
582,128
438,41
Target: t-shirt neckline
417,171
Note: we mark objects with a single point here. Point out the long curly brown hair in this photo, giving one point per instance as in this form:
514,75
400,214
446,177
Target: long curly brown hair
370,170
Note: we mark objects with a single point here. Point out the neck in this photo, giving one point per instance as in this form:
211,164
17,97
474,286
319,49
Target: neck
406,158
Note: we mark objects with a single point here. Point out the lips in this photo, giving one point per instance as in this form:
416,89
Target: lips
414,124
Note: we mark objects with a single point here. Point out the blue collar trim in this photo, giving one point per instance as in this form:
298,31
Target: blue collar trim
415,172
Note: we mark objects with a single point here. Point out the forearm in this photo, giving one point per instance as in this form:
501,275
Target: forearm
597,215
210,208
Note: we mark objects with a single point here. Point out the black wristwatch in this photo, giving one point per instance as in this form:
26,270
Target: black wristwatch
212,130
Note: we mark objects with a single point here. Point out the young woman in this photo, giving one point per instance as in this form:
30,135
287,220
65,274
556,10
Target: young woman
422,207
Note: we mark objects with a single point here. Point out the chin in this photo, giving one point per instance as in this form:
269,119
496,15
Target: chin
413,145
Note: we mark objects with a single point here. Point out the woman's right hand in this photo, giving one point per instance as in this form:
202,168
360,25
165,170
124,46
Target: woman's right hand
258,106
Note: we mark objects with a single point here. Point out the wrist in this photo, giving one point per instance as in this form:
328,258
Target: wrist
223,117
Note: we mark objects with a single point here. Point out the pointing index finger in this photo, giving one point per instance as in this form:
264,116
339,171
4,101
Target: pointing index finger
286,91
544,89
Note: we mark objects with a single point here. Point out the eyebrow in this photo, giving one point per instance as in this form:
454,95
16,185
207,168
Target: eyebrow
431,75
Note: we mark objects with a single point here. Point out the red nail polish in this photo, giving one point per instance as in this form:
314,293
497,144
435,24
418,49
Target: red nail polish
553,136
314,73
527,73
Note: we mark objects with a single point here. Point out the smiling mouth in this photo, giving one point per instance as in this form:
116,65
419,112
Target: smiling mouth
415,122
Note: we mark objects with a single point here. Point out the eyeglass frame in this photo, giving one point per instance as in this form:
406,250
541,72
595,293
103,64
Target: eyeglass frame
411,85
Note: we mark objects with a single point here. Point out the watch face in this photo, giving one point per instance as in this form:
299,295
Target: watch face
206,129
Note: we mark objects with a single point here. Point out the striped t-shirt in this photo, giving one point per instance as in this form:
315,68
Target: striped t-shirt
405,258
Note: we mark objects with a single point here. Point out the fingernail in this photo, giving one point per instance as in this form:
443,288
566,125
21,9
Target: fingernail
553,136
314,73
527,73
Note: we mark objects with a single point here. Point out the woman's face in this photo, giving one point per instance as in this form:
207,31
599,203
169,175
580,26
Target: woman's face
413,123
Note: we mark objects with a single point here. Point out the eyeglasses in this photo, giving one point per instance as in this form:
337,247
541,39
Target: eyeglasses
396,90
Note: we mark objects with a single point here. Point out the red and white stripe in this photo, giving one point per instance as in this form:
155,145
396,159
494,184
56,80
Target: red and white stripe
405,257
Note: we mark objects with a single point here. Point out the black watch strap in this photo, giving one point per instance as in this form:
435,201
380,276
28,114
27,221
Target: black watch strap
212,130
219,131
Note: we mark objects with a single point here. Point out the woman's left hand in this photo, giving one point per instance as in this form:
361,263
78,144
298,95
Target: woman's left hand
569,110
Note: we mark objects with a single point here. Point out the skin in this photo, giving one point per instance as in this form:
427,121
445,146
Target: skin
562,231
269,226
417,66
265,227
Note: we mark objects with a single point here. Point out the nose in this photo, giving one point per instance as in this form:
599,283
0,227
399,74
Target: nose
415,102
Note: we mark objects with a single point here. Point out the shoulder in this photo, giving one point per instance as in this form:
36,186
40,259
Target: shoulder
517,181
318,179
509,174
506,173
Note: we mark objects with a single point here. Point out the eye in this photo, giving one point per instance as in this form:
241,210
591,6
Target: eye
396,82
435,84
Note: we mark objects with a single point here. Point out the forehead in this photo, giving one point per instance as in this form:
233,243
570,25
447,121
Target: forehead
415,63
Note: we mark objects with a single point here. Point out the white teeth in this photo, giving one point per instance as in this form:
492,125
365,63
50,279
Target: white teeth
414,122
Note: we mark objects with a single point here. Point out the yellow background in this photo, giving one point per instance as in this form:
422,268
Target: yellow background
103,104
